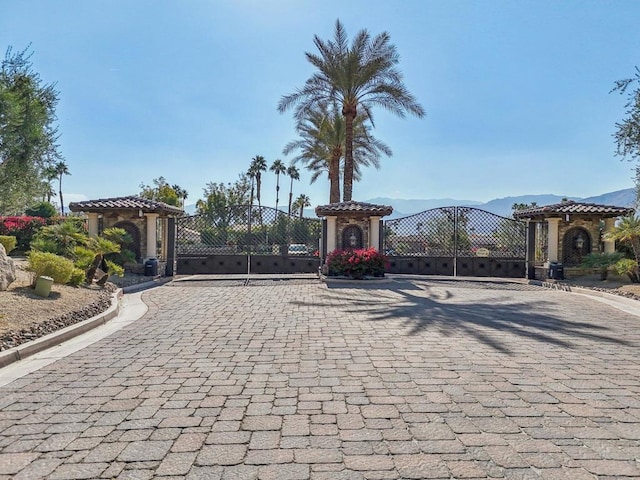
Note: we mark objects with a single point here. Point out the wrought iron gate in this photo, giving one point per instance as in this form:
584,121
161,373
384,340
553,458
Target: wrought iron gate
247,239
456,241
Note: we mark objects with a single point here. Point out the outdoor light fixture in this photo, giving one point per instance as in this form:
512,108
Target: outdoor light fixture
579,242
352,240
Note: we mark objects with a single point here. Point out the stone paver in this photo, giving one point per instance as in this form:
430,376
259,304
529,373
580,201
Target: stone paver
412,379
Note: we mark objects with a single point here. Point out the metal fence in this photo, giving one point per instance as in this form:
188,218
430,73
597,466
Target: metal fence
460,240
225,235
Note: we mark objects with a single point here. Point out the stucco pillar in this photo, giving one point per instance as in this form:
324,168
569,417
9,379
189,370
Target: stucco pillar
552,242
609,245
151,235
374,232
163,241
92,224
331,234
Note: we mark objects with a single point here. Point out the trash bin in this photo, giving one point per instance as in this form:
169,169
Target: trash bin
151,267
556,271
43,286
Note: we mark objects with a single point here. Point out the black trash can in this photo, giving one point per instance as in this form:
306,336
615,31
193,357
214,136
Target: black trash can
556,271
151,267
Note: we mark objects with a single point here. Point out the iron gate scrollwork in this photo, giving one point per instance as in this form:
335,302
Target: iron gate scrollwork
247,239
460,241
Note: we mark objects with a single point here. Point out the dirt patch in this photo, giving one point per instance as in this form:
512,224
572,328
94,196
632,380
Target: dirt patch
25,316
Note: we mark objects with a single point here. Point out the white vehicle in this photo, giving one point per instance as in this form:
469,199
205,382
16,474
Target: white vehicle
298,249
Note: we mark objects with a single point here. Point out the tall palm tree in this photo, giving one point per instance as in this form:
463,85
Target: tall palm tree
181,193
322,146
49,174
293,174
301,202
278,167
61,169
258,165
358,78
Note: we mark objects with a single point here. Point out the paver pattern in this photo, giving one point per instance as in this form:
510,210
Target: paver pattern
413,379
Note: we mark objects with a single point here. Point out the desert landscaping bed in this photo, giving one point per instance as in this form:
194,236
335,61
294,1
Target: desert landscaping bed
25,316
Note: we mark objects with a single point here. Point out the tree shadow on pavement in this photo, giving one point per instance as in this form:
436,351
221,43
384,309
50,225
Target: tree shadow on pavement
423,306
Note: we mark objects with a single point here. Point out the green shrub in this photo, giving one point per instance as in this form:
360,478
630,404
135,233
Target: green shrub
9,242
83,257
77,277
50,265
114,268
628,267
42,209
60,238
601,261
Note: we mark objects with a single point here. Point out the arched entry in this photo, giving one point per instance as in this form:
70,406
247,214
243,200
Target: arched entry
575,246
352,237
134,233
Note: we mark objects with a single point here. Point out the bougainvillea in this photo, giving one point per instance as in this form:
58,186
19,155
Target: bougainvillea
23,228
357,263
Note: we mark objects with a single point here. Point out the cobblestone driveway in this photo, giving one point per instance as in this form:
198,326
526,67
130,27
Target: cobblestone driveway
414,379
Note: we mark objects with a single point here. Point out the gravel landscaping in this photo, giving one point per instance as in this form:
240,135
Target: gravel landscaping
25,316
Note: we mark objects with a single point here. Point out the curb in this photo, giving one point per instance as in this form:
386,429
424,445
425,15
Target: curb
27,349
139,287
634,305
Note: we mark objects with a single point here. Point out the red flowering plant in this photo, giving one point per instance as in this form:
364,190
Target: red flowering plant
23,228
358,263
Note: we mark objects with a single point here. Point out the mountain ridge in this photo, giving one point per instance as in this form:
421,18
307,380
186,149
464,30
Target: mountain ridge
501,206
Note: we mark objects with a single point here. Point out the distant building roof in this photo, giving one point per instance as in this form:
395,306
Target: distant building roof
124,203
353,207
574,208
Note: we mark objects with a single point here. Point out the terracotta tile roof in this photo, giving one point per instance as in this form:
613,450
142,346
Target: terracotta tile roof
124,203
574,208
353,207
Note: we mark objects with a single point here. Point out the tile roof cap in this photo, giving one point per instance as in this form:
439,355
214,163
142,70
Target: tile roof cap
574,208
352,206
132,202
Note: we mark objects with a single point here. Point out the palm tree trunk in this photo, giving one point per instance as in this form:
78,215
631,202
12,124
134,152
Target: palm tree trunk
258,182
290,196
277,191
349,116
334,178
61,199
93,268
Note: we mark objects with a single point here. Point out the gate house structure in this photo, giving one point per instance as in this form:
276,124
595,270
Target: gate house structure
150,224
456,241
566,232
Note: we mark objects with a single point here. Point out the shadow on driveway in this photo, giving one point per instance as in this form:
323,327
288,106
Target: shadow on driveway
423,305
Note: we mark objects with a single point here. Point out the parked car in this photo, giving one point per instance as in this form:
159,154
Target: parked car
298,249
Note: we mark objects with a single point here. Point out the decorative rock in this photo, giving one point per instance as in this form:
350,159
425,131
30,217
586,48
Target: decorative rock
7,270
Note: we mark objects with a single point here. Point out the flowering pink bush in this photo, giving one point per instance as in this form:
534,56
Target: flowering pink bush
357,263
23,228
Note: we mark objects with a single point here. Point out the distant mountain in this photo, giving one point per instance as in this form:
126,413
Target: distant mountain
418,205
501,206
620,198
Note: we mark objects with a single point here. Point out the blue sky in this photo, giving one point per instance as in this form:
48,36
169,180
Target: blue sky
516,92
